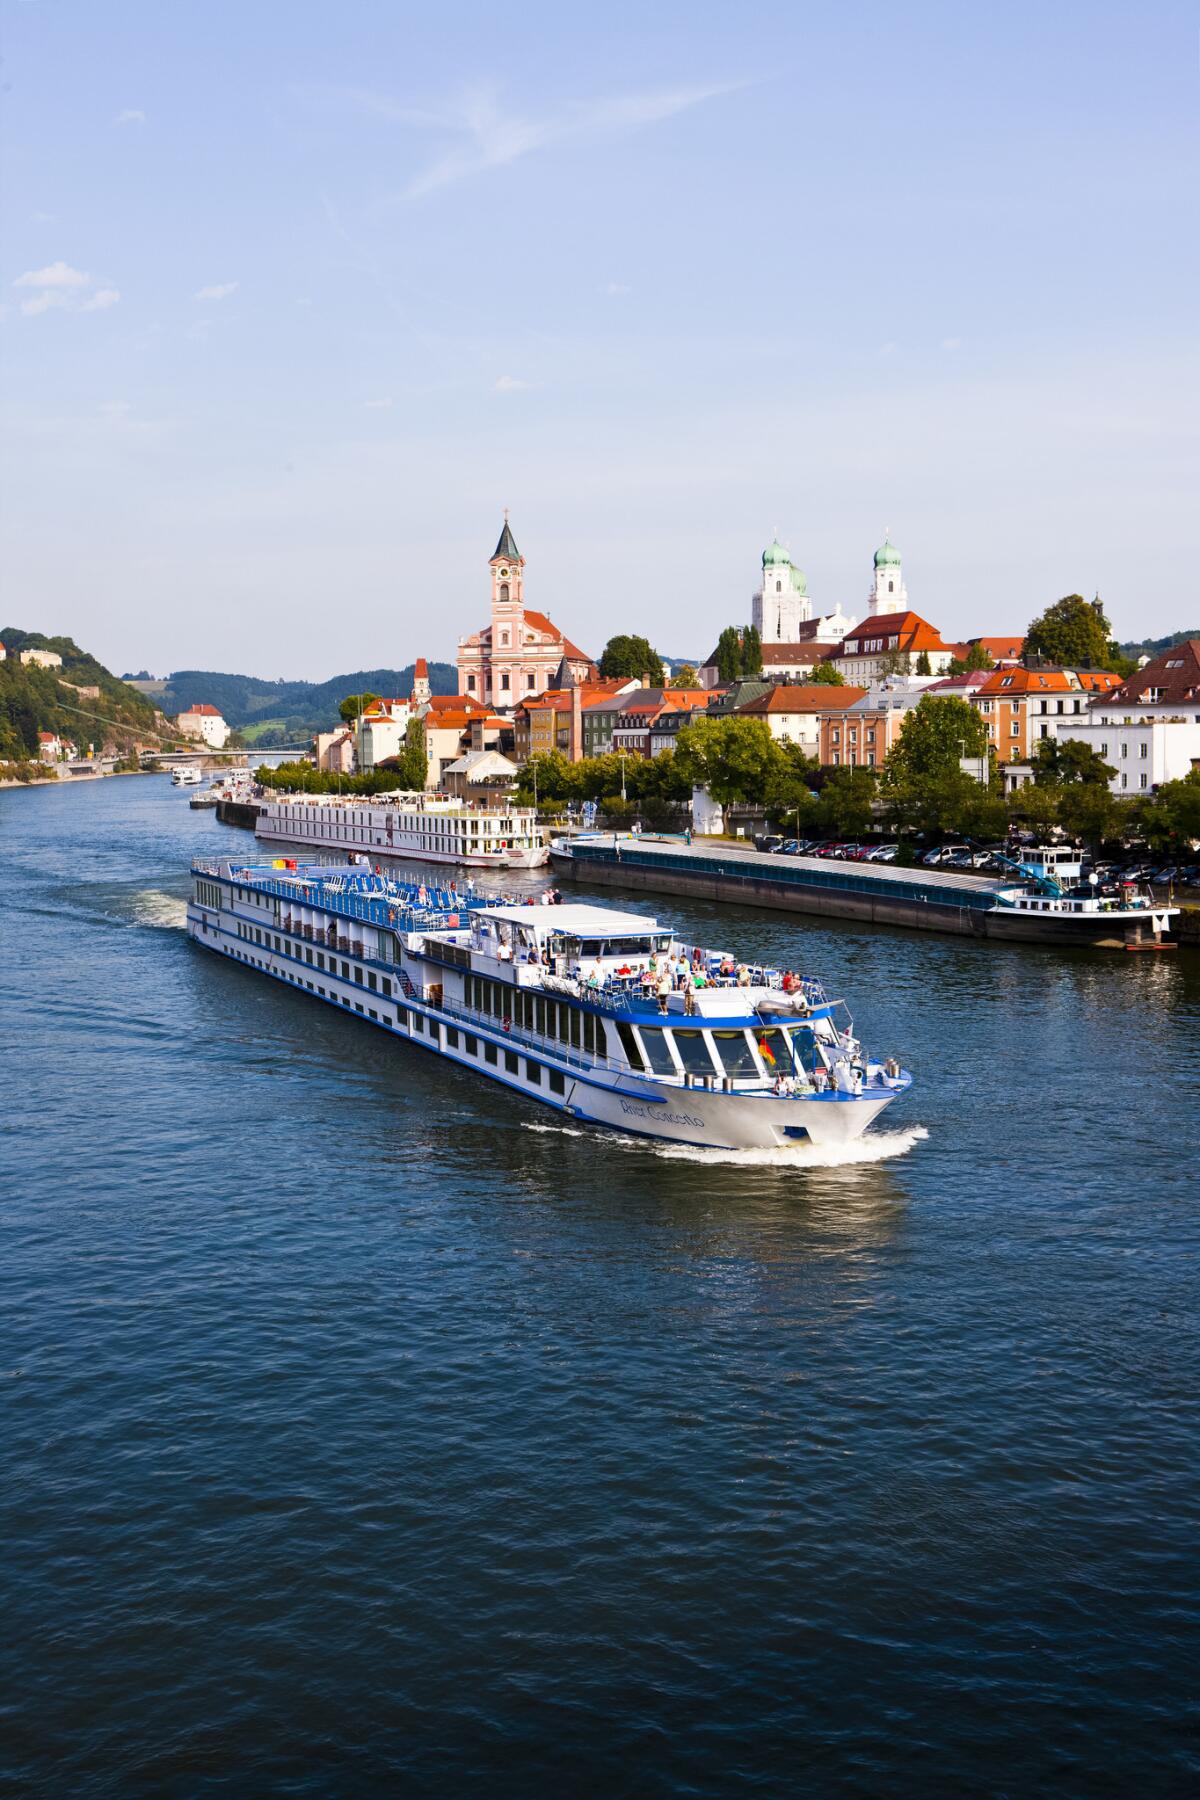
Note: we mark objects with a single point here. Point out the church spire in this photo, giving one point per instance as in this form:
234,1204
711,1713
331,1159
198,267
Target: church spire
506,550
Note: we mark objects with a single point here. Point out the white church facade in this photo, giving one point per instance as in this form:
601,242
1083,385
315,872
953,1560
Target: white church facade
781,609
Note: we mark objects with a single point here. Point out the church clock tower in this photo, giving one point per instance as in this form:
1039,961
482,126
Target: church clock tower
508,615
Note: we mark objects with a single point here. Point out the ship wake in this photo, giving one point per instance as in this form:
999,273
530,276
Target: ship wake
874,1147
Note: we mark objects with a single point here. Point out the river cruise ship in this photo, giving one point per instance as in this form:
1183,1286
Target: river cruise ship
420,827
605,1016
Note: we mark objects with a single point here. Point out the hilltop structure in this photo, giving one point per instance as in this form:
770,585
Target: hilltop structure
516,656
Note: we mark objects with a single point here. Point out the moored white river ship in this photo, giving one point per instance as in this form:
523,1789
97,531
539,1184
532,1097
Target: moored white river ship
603,1015
421,827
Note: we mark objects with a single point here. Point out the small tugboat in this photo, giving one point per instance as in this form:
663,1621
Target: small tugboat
605,1016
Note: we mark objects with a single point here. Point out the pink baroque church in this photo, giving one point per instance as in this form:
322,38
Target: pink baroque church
521,653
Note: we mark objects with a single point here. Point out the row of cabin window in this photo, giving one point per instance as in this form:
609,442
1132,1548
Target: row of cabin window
415,1024
305,953
208,893
531,1011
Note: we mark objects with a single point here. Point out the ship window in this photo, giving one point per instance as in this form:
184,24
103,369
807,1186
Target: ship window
693,1053
470,1043
735,1053
489,1053
418,1023
451,1038
629,1045
371,979
358,975
511,1061
775,1048
385,984
589,1033
345,971
533,1072
540,1015
557,1085
657,1046
575,1028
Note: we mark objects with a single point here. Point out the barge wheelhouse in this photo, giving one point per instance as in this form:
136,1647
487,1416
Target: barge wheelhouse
603,1015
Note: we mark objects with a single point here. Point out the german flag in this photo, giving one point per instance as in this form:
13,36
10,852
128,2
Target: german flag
766,1052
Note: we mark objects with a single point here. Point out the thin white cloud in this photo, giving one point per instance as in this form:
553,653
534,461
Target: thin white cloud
510,384
130,115
116,409
493,135
380,405
43,218
102,299
951,343
219,290
55,275
618,287
50,298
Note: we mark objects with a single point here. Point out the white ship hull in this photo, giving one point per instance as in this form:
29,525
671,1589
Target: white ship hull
663,1111
485,985
363,834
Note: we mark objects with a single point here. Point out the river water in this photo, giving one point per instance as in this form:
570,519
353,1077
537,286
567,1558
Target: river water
365,1429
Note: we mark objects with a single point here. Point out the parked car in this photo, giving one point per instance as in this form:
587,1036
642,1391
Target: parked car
881,853
767,841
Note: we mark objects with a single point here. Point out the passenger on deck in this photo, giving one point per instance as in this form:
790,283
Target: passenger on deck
664,990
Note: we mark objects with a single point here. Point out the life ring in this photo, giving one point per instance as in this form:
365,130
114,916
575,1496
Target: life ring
504,843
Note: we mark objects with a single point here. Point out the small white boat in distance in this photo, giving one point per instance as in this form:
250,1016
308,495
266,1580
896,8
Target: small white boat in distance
188,776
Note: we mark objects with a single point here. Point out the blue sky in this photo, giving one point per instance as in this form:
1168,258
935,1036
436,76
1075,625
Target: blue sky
297,298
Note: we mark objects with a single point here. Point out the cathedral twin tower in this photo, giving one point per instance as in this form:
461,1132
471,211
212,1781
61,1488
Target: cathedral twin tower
782,609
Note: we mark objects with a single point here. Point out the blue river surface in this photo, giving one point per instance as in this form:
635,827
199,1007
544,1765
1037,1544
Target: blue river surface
366,1430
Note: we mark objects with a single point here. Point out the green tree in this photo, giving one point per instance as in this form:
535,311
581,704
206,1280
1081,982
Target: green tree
684,677
1087,810
846,805
1170,818
1074,634
549,774
934,736
734,758
923,665
628,657
1058,762
827,674
729,655
354,704
978,657
412,764
751,653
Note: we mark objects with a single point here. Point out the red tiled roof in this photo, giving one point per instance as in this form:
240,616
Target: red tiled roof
1176,672
910,630
809,698
201,706
457,703
1002,649
420,669
1021,681
803,652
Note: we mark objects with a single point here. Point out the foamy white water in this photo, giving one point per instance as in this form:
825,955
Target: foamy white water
874,1147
